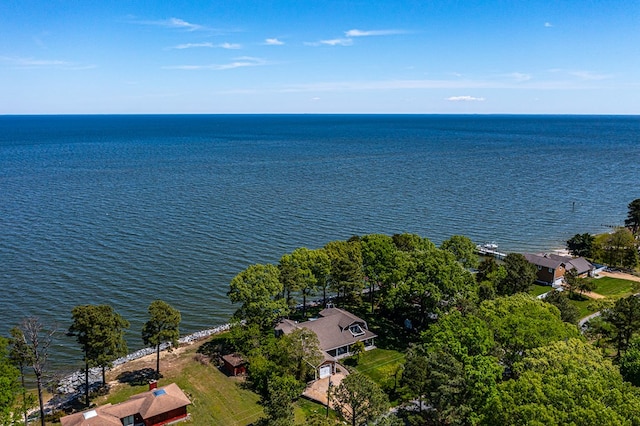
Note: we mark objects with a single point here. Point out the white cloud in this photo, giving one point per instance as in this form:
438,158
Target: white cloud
207,44
582,74
520,77
588,75
273,42
240,62
191,45
464,99
333,42
548,24
44,63
360,33
172,23
230,46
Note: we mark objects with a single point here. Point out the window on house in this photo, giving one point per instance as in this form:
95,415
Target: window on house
539,267
551,270
356,330
127,421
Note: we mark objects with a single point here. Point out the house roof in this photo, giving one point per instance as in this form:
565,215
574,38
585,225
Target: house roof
332,328
550,260
147,404
234,360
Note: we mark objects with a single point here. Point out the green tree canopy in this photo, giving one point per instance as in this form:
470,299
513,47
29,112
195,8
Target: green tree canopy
163,326
100,332
359,400
460,368
565,383
633,216
346,277
581,245
520,275
463,249
624,319
568,312
259,290
379,261
9,385
521,323
630,363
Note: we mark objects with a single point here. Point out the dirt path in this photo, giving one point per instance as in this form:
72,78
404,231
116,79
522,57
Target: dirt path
620,275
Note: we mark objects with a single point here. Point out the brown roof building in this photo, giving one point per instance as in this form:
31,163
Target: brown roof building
156,407
551,267
337,330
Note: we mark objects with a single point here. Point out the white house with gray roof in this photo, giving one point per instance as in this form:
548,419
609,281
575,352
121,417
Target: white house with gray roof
337,330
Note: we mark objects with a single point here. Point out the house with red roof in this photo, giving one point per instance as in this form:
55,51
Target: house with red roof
156,407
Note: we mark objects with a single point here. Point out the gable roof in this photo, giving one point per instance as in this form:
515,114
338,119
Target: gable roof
332,328
553,261
147,404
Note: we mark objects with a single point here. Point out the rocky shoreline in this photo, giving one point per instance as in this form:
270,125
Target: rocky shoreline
72,386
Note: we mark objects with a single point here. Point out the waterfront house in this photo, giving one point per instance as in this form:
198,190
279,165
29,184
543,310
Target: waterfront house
552,267
337,331
156,407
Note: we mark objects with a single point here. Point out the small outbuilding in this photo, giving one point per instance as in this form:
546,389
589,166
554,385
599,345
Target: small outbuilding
234,365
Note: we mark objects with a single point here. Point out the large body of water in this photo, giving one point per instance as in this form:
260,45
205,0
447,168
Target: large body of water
127,209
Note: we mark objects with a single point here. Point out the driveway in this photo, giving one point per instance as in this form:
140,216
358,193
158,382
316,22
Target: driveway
317,390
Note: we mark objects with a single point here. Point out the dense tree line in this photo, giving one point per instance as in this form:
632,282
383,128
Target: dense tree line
620,248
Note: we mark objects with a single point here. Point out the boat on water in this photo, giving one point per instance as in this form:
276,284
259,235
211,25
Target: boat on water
490,249
488,246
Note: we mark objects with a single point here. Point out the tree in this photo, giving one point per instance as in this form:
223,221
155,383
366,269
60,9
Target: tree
100,332
20,356
416,373
302,351
633,216
259,290
630,363
8,383
359,400
281,391
617,249
433,283
37,340
378,260
460,369
463,249
581,245
320,268
346,275
624,319
564,383
520,275
568,312
521,323
162,327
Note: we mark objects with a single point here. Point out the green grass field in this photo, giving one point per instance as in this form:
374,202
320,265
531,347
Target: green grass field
615,288
538,289
216,399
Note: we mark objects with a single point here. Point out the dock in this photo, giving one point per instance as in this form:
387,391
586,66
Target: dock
490,250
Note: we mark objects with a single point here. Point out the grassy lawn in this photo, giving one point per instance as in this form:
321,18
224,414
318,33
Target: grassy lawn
537,289
583,306
216,398
615,288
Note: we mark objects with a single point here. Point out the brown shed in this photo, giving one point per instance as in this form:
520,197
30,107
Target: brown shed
234,365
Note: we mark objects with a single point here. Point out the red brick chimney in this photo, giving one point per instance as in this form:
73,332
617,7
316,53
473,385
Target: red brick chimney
153,384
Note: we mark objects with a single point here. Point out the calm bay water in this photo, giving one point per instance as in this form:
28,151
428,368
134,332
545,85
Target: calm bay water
127,209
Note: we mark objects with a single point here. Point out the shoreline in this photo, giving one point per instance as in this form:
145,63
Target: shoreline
71,386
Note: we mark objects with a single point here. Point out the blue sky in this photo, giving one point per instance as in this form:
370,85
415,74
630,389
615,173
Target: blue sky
304,56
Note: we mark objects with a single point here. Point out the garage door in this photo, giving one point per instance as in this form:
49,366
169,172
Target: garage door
325,371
